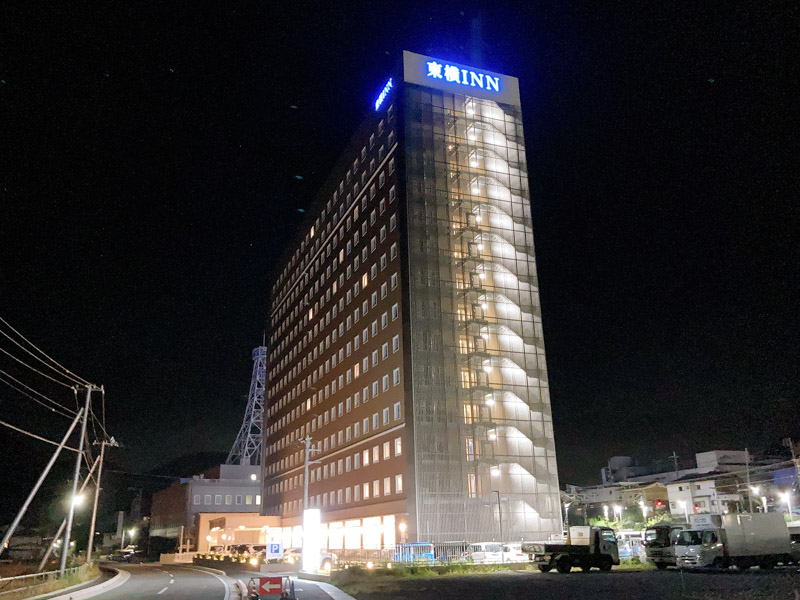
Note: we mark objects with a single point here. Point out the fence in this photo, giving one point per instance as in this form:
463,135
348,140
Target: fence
441,553
10,585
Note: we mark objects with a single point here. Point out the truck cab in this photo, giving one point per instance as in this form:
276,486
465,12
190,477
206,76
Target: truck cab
687,547
659,545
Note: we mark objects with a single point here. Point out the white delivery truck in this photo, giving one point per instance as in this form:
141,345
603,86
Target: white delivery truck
743,541
659,544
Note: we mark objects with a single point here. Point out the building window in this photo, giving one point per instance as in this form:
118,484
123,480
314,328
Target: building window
472,486
396,411
398,446
392,222
197,499
386,413
207,499
366,491
396,343
365,455
376,488
395,311
228,499
394,280
356,493
387,450
238,499
258,499
376,454
385,384
387,486
398,484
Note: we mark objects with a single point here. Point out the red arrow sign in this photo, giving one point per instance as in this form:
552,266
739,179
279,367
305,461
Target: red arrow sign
270,585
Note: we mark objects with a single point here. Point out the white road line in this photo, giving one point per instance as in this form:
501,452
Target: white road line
162,590
224,583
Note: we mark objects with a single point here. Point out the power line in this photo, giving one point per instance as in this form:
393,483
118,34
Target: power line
33,435
22,362
59,405
50,408
55,362
24,349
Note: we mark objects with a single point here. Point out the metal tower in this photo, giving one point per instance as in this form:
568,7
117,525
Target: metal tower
247,447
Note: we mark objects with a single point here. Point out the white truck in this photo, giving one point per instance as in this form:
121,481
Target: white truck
586,547
743,540
659,544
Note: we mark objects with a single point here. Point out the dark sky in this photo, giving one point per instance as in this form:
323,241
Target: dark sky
149,163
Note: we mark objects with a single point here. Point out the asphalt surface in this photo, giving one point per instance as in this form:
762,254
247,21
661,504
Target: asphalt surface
167,582
779,584
185,582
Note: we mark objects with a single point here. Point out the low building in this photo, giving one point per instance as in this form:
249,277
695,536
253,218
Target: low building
226,489
716,495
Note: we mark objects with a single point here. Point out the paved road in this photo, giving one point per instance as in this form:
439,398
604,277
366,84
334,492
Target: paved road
174,582
617,585
167,582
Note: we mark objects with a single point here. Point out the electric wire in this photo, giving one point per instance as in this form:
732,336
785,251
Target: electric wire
27,387
33,435
24,349
22,362
50,408
55,362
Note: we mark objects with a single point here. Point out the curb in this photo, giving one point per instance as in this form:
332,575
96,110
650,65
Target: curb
91,591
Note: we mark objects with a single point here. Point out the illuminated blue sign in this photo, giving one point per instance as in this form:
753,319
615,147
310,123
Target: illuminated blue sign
386,89
468,77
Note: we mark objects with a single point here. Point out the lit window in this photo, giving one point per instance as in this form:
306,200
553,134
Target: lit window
386,412
366,491
376,488
394,280
396,410
398,484
364,281
365,456
398,446
396,343
387,450
387,486
395,311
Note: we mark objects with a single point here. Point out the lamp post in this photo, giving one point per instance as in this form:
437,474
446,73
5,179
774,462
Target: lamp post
618,514
685,508
787,497
644,510
605,512
499,515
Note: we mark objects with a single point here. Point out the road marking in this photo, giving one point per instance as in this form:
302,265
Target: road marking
162,590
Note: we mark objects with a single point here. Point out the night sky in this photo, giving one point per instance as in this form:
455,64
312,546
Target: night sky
154,159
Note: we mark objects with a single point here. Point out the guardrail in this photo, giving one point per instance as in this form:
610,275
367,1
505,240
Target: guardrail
10,585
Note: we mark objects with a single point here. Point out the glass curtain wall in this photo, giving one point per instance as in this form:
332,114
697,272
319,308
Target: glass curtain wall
485,464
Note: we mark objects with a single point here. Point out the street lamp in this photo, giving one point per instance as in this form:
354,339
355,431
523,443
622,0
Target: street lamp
618,513
682,504
499,514
605,512
787,497
644,510
77,500
402,527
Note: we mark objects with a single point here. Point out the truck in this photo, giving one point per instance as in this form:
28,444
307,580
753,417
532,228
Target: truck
659,544
744,540
585,547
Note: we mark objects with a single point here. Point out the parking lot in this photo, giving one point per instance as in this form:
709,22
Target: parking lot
778,584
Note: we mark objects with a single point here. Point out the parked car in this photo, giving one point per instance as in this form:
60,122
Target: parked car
295,555
134,557
484,553
513,553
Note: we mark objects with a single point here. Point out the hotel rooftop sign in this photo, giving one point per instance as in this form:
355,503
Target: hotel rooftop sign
460,79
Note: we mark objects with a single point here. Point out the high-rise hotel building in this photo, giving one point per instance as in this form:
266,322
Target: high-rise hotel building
406,331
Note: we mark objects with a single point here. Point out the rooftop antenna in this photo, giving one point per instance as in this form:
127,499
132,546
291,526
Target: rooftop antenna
247,447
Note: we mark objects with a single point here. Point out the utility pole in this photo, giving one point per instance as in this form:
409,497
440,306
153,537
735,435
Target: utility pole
71,513
29,499
674,458
796,461
57,536
113,443
749,489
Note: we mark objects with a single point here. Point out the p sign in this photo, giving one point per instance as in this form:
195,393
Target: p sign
270,585
274,551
